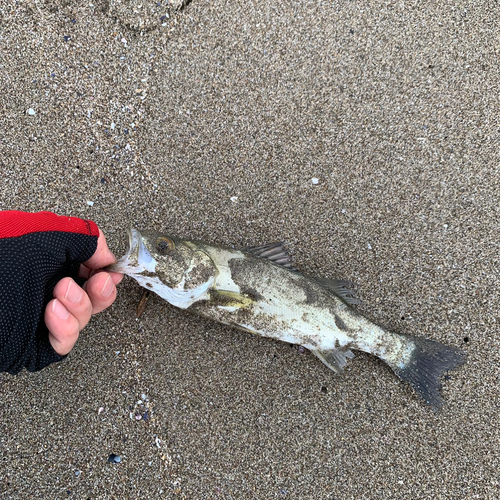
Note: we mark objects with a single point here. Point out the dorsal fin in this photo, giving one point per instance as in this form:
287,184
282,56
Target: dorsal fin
275,252
342,288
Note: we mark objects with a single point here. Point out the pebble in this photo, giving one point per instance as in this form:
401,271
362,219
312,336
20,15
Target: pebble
90,203
77,473
234,199
315,180
114,459
31,112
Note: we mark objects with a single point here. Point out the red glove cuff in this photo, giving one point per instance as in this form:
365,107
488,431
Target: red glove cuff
14,223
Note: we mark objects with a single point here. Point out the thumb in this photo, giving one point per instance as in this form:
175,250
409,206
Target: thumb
102,256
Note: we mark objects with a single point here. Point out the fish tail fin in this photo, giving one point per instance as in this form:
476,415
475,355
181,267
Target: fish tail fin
426,361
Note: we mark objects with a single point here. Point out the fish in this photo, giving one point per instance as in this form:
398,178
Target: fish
258,290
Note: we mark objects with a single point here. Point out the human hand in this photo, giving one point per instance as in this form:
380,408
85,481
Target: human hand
72,307
50,285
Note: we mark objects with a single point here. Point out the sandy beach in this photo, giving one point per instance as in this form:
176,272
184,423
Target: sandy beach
366,136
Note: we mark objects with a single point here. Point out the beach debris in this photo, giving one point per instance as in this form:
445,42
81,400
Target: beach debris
158,442
90,203
315,180
141,306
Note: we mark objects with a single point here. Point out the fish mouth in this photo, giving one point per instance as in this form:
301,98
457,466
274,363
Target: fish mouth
137,258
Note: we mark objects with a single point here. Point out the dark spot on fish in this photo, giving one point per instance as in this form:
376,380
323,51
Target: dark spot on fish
251,293
305,317
311,294
149,285
340,324
199,275
149,274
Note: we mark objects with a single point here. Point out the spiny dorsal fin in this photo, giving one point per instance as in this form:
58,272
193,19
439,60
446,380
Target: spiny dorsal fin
275,252
335,359
342,288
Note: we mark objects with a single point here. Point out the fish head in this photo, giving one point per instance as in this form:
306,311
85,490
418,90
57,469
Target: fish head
162,262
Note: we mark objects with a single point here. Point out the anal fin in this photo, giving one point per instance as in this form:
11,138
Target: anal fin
335,359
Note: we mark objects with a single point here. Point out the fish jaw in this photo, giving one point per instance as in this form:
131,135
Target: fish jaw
137,258
139,264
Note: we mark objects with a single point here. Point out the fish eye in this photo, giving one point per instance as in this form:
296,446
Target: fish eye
164,245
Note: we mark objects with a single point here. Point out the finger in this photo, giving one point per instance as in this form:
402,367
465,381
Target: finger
102,256
85,272
101,290
75,300
63,327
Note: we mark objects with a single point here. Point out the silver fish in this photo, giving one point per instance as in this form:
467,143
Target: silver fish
257,290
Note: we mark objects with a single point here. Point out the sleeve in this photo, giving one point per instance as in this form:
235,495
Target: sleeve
36,251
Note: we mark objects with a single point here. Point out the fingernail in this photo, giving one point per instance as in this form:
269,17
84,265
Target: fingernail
73,293
108,287
59,310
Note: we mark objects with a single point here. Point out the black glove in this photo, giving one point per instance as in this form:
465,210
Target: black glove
36,251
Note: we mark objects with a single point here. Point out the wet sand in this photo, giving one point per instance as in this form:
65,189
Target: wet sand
211,123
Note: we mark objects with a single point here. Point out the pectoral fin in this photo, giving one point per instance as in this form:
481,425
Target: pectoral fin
229,299
335,359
